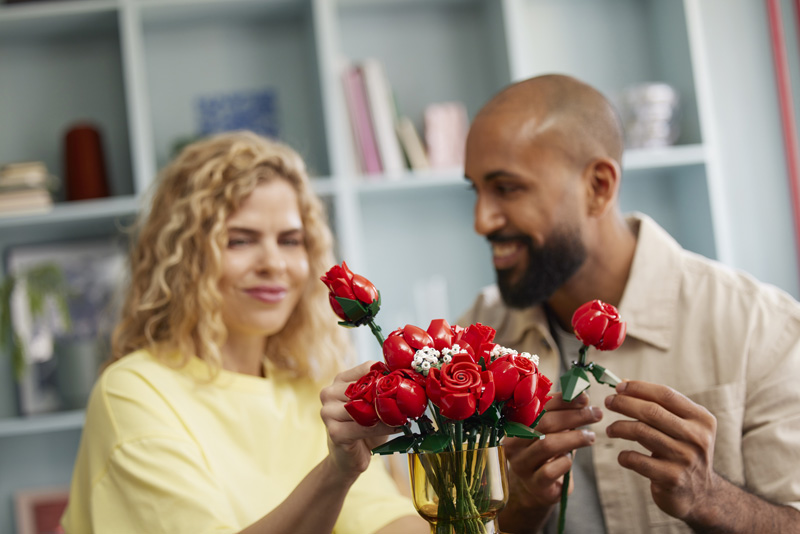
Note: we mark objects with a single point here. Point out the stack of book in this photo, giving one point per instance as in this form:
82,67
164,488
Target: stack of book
25,188
385,142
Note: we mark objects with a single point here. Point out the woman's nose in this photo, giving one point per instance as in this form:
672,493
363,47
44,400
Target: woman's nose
271,259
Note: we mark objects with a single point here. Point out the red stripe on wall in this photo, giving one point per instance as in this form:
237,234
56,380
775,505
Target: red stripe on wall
783,82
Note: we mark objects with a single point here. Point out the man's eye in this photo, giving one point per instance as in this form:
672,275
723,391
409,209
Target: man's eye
292,241
506,188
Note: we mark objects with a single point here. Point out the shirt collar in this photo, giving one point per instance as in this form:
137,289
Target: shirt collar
650,299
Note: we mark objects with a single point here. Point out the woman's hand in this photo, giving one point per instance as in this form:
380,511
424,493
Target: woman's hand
349,443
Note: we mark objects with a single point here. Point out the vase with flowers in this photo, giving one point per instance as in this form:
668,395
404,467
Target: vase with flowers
455,394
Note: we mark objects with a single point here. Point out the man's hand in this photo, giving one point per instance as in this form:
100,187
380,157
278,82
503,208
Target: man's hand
538,466
680,436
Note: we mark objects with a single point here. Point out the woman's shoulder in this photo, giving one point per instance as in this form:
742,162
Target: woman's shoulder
138,390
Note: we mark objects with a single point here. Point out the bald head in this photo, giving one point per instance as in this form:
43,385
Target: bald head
572,115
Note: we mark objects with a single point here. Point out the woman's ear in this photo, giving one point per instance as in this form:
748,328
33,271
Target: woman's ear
602,183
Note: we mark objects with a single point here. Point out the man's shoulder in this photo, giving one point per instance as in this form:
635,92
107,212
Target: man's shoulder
703,276
487,308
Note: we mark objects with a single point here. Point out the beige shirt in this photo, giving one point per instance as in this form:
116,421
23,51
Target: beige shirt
728,342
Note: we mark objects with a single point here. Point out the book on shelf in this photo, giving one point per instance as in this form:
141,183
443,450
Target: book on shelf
412,144
24,201
25,174
384,116
366,149
25,187
446,127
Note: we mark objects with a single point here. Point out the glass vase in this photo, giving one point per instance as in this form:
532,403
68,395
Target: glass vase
460,492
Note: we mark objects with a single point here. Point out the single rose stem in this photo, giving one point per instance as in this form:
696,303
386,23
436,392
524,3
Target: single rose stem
376,331
582,356
562,512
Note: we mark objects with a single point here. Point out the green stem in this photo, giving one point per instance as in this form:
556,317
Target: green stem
562,513
582,356
376,331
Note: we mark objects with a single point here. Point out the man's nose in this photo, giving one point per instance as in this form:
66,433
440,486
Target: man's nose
488,216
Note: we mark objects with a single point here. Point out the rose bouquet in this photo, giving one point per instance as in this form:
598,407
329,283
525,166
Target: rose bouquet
451,390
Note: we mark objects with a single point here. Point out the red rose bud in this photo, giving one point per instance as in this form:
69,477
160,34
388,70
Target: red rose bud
441,333
508,371
525,407
362,412
460,388
598,324
401,345
399,398
362,296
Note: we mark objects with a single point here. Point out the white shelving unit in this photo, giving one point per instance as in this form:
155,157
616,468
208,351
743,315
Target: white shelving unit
137,68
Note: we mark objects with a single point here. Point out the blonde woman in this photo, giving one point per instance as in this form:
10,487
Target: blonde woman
209,418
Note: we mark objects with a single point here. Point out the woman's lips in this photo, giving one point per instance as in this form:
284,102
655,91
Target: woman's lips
506,254
270,295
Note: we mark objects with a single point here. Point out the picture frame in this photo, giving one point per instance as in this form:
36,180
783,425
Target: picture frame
39,511
61,360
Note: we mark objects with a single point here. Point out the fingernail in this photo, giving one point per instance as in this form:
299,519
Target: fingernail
622,386
597,413
609,400
589,435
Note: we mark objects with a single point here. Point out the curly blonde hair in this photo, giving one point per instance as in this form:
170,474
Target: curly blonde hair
173,304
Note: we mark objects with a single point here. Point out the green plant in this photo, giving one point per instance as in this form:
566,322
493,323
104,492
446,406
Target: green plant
43,283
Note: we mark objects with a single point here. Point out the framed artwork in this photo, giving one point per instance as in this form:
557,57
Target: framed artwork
39,511
93,271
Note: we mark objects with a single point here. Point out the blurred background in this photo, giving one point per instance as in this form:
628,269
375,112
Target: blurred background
97,95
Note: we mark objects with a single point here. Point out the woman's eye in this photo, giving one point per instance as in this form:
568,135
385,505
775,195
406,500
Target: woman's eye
237,242
292,241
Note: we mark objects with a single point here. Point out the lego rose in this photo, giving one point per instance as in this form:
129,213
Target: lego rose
353,298
460,388
599,325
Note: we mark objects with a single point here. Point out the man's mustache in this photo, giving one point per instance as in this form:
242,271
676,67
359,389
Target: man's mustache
500,238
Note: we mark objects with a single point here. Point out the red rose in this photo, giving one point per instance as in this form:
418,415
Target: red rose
460,388
362,396
342,283
401,345
477,340
441,333
398,398
508,371
598,324
524,407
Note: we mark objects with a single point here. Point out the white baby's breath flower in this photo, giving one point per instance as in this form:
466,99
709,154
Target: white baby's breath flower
532,357
499,351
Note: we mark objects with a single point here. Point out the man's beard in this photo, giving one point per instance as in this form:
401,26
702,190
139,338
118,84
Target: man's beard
549,267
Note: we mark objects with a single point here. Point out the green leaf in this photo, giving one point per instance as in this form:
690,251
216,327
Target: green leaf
605,376
518,430
434,443
573,383
398,444
353,309
491,415
375,306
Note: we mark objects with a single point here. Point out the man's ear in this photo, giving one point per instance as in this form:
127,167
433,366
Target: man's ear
602,177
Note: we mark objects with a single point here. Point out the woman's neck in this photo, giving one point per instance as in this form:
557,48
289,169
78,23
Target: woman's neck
244,355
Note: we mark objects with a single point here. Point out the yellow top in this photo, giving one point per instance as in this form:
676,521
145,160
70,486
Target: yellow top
165,451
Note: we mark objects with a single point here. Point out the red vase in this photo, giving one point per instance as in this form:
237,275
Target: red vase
84,163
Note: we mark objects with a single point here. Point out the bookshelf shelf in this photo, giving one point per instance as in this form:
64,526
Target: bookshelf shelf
41,424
